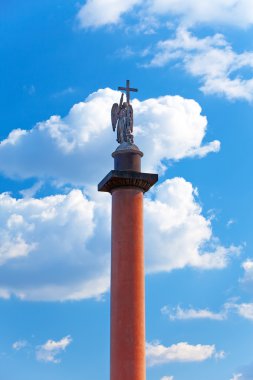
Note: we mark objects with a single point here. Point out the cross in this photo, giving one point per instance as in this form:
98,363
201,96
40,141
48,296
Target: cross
127,89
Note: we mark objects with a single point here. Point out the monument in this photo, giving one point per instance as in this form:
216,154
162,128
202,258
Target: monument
127,183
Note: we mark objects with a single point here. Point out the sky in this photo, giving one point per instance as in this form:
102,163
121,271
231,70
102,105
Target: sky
61,64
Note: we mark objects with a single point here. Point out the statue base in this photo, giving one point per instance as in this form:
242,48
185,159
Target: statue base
127,157
127,170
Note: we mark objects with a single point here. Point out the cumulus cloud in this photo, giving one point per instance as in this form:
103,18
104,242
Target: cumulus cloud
70,239
50,351
157,354
74,149
179,313
167,378
68,231
212,60
178,234
13,245
96,13
71,232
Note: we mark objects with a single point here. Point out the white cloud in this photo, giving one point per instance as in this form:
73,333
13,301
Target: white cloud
4,294
178,313
245,310
50,351
68,231
236,376
97,13
157,354
248,266
212,60
167,378
220,355
248,272
32,191
233,12
76,149
178,234
71,233
13,246
230,223
70,239
19,345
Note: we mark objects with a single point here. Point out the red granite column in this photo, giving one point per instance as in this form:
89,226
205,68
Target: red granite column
127,286
127,184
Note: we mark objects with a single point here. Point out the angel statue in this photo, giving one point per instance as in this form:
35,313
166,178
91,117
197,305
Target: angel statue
122,119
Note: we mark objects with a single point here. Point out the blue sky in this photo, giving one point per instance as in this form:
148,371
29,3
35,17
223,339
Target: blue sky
61,63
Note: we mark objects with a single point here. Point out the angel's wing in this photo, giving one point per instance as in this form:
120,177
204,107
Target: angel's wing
114,115
130,117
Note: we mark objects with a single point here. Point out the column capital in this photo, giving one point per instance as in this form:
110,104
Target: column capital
119,178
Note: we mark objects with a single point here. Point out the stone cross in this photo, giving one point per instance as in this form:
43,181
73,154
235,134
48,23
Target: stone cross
127,89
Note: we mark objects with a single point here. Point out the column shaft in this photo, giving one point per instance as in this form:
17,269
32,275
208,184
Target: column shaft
127,286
